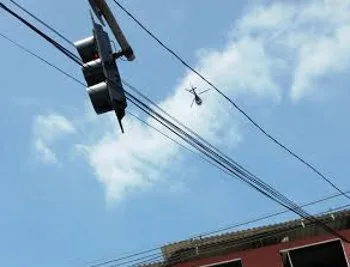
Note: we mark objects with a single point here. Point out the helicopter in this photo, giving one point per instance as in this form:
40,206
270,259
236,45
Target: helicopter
196,99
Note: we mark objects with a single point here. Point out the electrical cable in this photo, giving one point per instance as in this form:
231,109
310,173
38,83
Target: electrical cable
42,22
81,83
230,227
61,48
133,88
252,181
236,170
157,39
233,103
50,64
42,59
177,142
155,258
225,244
45,24
84,85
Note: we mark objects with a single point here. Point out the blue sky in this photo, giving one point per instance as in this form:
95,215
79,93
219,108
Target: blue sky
73,190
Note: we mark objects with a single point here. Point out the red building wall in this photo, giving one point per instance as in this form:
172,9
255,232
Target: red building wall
267,256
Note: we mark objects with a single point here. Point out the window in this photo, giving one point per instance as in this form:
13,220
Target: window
330,254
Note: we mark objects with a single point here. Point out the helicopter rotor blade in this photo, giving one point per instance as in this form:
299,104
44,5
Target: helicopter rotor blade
190,91
204,91
192,87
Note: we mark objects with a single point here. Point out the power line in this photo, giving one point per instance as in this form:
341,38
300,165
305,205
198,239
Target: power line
127,257
62,49
42,59
131,114
149,125
253,181
231,227
42,22
84,85
58,46
201,235
232,102
196,72
236,170
73,57
233,167
152,249
177,142
224,245
155,105
225,162
124,82
241,241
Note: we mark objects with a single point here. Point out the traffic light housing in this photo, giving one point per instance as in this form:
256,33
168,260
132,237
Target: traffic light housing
101,73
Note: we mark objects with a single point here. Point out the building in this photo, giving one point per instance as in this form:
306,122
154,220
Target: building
290,244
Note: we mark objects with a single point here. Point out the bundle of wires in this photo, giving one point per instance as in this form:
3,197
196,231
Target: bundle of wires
206,150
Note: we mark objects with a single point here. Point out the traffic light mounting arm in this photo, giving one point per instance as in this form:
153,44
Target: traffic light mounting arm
101,9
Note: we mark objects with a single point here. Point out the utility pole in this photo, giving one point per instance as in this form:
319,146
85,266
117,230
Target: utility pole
102,10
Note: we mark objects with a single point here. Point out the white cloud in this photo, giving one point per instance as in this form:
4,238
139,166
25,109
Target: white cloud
127,162
46,154
47,129
304,41
319,57
320,41
262,19
313,37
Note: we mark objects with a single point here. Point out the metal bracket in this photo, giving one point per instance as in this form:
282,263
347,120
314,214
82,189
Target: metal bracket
97,11
102,9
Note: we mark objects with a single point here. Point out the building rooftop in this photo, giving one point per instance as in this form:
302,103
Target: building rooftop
252,238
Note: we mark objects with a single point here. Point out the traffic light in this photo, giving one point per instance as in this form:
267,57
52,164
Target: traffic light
101,74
